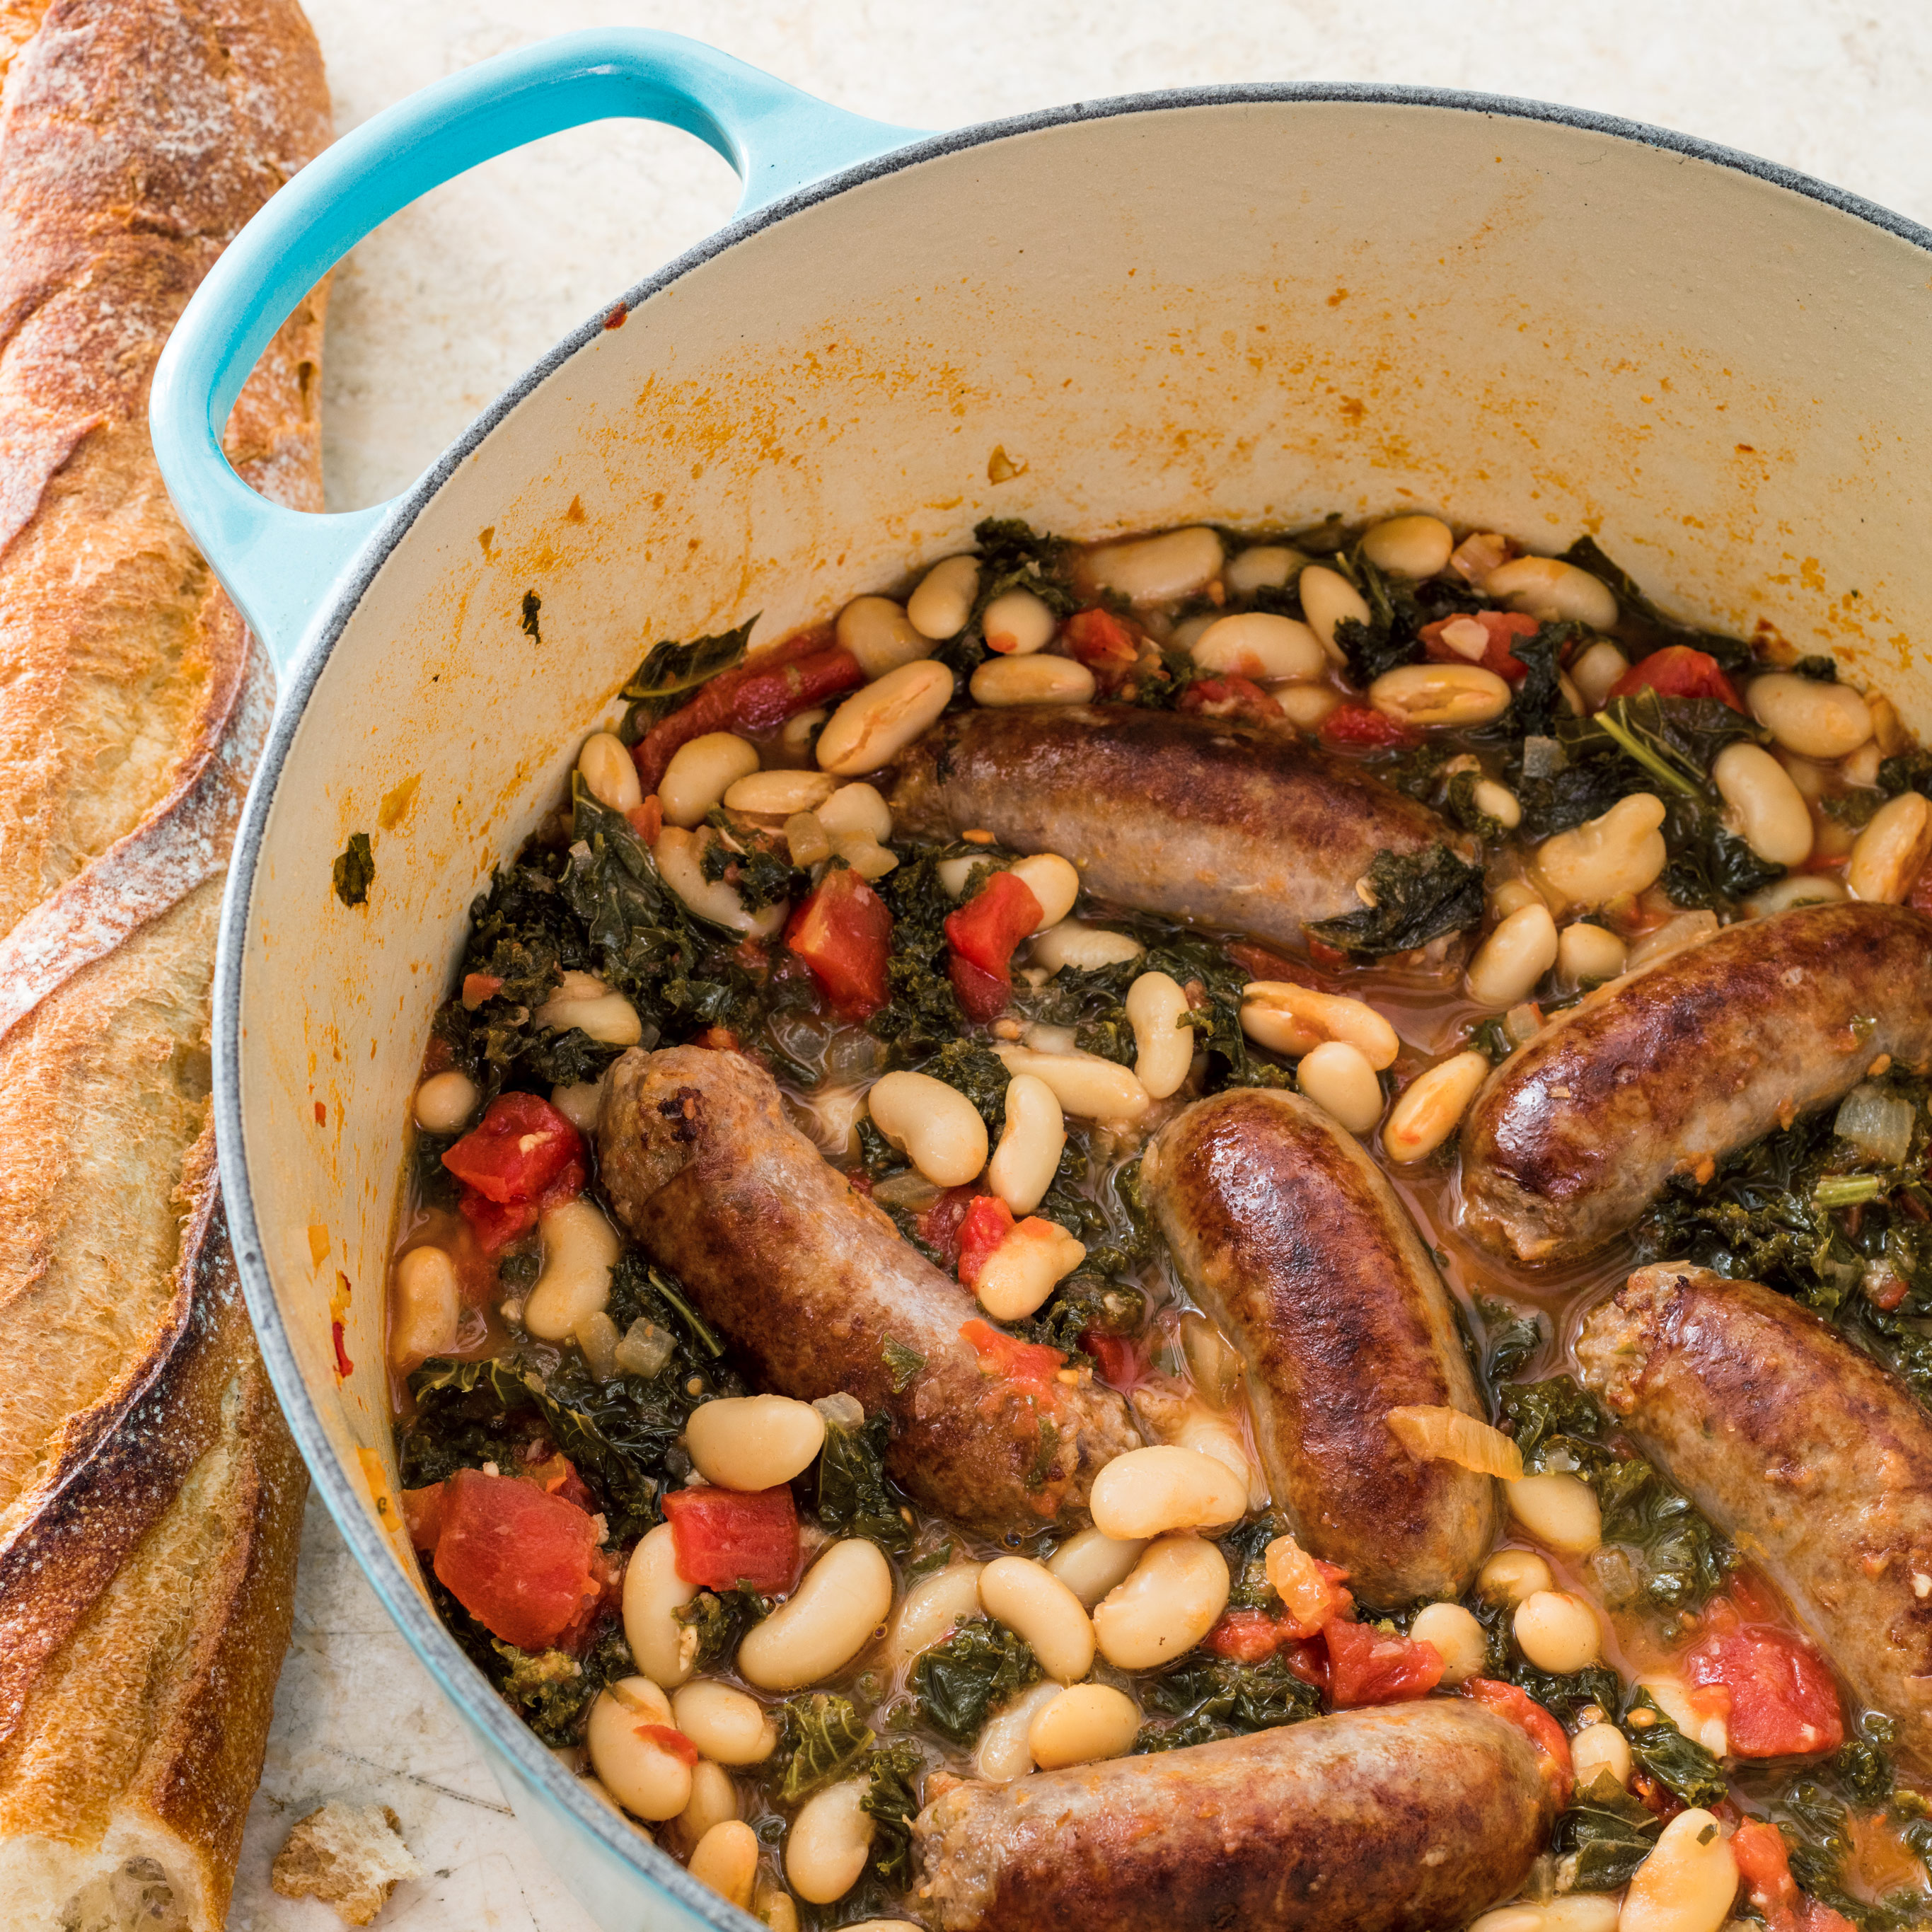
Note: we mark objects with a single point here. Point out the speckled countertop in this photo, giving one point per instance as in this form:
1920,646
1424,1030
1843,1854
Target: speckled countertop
441,309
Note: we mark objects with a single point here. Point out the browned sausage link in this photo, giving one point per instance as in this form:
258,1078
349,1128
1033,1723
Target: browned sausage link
1391,1820
1288,1235
809,1280
1188,816
1799,1446
1683,1061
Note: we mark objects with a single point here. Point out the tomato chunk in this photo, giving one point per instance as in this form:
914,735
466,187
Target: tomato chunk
988,1222
1536,1723
1230,697
727,1538
1248,1636
1679,671
1365,1667
981,935
940,1226
519,1560
844,933
1119,1363
1354,727
1101,642
1783,1703
1920,898
422,1515
1031,1366
1764,1864
1481,637
520,1149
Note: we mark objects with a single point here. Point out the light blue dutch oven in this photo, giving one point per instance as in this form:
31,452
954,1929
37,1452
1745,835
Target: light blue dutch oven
1261,304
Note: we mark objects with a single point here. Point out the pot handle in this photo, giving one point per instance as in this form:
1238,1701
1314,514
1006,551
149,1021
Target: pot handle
277,564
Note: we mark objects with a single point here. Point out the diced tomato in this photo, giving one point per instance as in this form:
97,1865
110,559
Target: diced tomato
981,935
982,997
422,1512
1321,953
478,987
1231,697
1248,1636
1119,1362
1889,1292
1309,1660
1500,630
1920,897
1031,1366
1313,1597
520,1561
987,1222
521,1145
1783,1703
556,1475
344,1367
727,1538
844,933
647,819
1536,1723
497,1225
1354,727
1101,642
1365,1667
1679,671
666,1739
939,1226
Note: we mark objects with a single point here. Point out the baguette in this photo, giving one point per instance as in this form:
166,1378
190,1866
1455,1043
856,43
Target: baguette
150,1496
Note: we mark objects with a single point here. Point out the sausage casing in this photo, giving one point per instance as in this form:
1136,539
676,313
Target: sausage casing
809,1280
1241,829
1290,1238
1391,1820
1812,1457
1682,1061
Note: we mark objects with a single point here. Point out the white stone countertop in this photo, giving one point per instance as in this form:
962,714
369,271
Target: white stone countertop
445,306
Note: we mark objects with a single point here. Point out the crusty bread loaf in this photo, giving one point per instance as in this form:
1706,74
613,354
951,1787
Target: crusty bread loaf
150,1498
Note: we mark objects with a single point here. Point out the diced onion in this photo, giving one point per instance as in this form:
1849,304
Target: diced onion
1433,1434
1522,1023
644,1350
597,1337
1543,758
910,1190
1688,928
1877,1122
1295,1577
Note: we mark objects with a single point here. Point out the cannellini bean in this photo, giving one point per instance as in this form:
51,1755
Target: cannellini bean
856,809
1197,1428
1892,851
937,1128
1800,888
1003,1752
1293,1019
579,1103
956,874
445,1102
1305,705
1167,1605
654,1592
1596,669
1581,1912
1457,1638
1512,895
1497,801
726,1858
1030,1600
1543,586
1558,1509
714,1799
1091,1563
1585,952
1671,1695
680,857
1017,623
1511,1575
753,1442
1597,1748
829,1841
644,1776
1082,1726
779,1910
1031,1142
1451,694
607,1017
940,606
824,1624
1431,1107
1156,570
609,772
1558,1631
1262,567
1337,1076
1163,1041
1031,680
1026,1267
1328,598
1767,811
1413,546
780,794
1085,948
701,772
1510,1918
1513,958
875,725
1623,851
1086,1086
929,1609
724,1724
1688,1883
580,1250
878,634
426,1308
1258,644
1053,881
1147,1492
1814,719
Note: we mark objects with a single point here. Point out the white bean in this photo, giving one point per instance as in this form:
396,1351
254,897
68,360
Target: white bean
1449,694
1431,1107
701,772
726,1726
1082,1726
1814,719
937,1128
1543,586
1017,623
1091,1563
1030,1600
825,1623
1558,1509
1596,671
1163,1041
1509,963
1328,598
829,1841
580,1250
780,794
1688,1883
1305,705
1597,1748
929,1609
1260,645
639,1772
654,1592
1156,570
608,1018
1032,1260
1003,1752
680,857
1338,1078
445,1102
609,772
1622,851
1498,802
1053,881
426,1308
940,606
878,634
1510,1575
1031,680
1031,1142
1767,811
1558,1631
1800,888
1585,951
1167,1605
1581,1912
857,810
1510,1918
1512,895
1892,851
579,1103
1262,567
1671,1695
726,1858
1147,1492
1456,1636
875,725
1085,948
1293,1019
714,1800
1412,546
1086,1086
752,1442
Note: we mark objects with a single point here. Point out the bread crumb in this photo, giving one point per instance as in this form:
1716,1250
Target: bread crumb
351,1857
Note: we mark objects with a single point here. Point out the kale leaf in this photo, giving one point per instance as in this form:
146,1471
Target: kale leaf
671,670
1604,1836
1219,1697
354,871
958,1682
721,1618
1679,1764
1538,701
821,1736
1641,623
890,1802
856,1497
1510,1337
1414,897
553,1692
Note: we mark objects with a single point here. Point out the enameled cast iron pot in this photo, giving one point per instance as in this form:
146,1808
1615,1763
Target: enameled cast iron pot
1257,304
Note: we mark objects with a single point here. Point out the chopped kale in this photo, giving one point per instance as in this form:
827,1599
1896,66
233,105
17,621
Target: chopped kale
671,670
552,1691
354,871
1640,623
1218,1697
1819,668
1681,1765
1083,1304
526,620
977,1073
855,1495
756,865
640,1290
1246,1548
1460,807
1413,898
1510,1337
1604,1836
821,1737
1537,702
922,1014
902,1364
1910,771
960,1681
721,1618
890,1802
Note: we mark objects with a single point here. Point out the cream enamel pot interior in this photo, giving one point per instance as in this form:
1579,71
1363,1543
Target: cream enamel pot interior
1256,304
